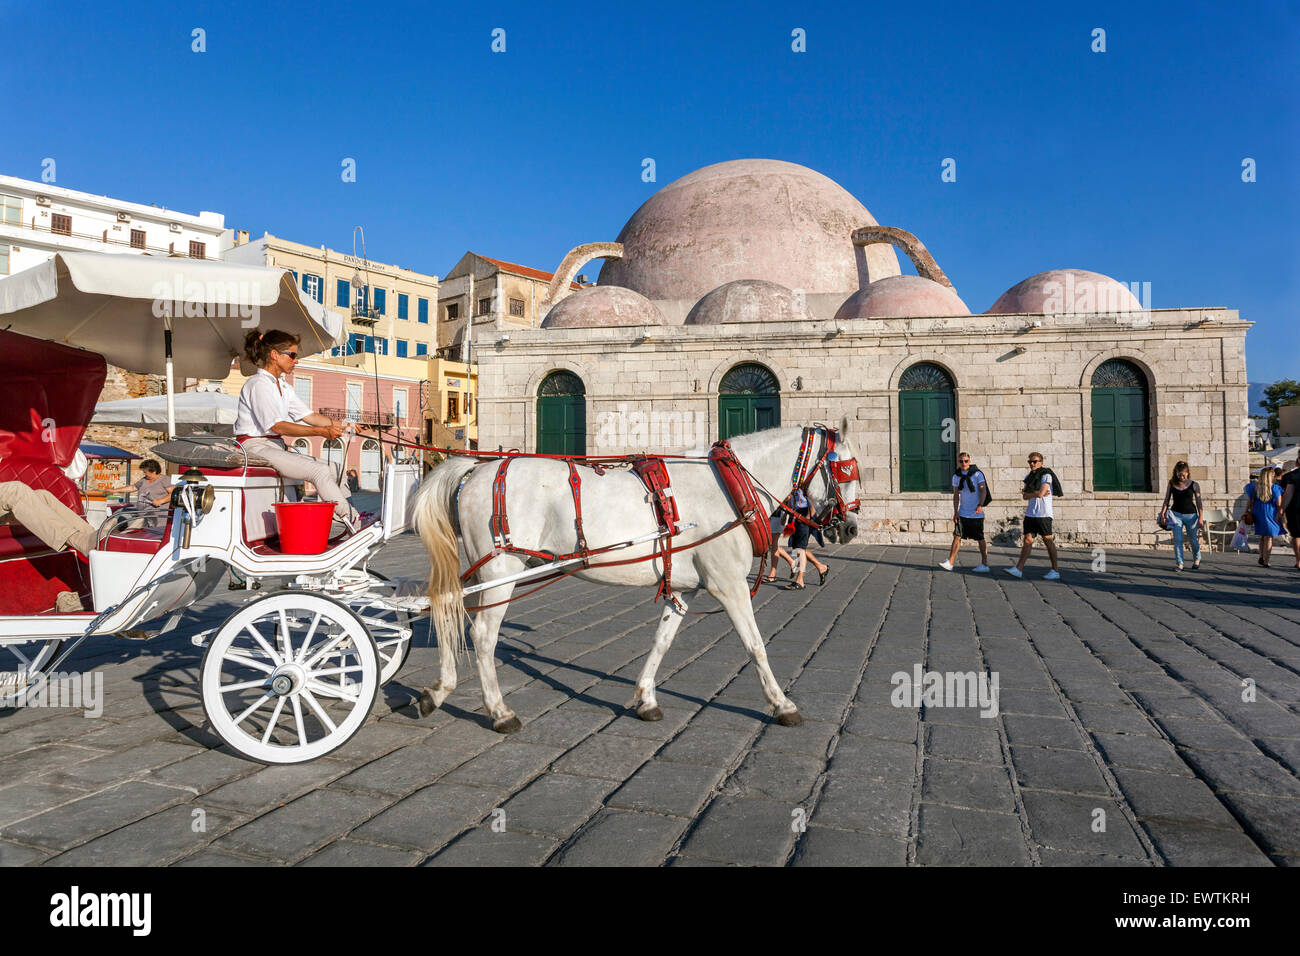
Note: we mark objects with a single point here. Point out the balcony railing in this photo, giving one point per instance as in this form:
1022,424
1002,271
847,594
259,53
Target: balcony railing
363,417
102,240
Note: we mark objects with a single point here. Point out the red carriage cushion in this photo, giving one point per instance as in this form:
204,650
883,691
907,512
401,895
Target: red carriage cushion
14,538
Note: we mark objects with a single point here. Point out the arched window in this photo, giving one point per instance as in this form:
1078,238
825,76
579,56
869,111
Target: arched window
301,446
1121,430
332,451
562,415
927,425
749,400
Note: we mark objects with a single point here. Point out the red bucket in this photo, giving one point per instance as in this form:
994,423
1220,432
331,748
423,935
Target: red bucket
304,526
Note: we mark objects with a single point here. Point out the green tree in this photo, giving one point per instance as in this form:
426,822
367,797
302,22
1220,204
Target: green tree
1285,392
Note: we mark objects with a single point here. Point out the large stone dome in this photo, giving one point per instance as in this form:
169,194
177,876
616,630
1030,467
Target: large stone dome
747,300
603,305
1066,291
901,297
746,219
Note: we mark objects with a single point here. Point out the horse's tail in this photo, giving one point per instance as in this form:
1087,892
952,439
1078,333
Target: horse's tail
433,520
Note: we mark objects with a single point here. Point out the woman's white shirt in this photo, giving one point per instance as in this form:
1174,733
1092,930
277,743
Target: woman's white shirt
265,400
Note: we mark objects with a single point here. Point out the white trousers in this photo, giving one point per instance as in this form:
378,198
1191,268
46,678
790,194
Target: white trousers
320,473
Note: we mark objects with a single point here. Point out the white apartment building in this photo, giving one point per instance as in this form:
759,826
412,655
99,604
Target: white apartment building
39,219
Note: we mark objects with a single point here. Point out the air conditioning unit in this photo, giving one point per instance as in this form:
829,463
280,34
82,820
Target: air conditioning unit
174,227
123,217
42,200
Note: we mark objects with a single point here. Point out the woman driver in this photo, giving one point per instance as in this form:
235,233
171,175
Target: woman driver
270,411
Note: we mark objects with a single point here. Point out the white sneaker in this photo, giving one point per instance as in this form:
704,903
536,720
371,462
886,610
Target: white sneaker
1052,576
946,565
1015,572
981,569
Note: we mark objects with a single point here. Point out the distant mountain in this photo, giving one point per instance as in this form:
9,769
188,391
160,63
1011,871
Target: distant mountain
1255,395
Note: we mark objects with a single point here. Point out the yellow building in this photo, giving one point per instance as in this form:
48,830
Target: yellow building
390,310
451,412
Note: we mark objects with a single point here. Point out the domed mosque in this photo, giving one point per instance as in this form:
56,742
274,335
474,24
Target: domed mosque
757,292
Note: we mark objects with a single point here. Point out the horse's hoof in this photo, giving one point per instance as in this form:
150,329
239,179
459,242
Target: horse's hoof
424,704
509,725
790,718
650,714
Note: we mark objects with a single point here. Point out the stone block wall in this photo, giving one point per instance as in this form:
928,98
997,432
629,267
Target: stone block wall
1019,388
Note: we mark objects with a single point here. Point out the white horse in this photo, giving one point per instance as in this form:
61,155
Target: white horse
615,508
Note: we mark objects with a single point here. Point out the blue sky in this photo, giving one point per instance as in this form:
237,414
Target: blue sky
1126,162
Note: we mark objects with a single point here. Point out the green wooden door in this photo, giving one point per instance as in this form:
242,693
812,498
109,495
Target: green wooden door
562,415
926,461
1119,439
749,400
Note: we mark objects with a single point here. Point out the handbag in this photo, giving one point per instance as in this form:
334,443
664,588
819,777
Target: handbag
1162,521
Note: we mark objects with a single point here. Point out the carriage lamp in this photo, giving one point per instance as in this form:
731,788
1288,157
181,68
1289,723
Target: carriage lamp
193,499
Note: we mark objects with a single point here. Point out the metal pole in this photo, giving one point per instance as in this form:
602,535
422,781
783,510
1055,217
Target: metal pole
171,397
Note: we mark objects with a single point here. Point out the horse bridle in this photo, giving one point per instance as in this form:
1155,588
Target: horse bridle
834,470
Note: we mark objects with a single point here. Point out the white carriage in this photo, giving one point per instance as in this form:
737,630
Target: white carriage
295,671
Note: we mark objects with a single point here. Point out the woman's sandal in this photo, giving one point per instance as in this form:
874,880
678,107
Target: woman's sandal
795,587
1178,567
823,575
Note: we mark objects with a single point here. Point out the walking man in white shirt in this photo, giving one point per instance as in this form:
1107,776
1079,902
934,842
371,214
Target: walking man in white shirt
968,489
1040,484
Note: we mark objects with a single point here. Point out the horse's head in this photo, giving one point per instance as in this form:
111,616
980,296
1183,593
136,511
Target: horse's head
839,487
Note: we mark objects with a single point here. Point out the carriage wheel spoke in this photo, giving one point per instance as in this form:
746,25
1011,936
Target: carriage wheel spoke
324,717
306,641
330,671
337,691
257,636
297,717
333,642
243,685
275,716
242,717
249,662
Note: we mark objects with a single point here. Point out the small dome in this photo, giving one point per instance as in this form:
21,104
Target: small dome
1066,291
602,305
747,300
746,217
901,297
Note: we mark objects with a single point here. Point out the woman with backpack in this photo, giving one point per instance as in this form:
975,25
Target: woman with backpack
1184,517
970,493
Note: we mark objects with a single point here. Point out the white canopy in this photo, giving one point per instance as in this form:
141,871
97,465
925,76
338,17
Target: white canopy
1283,454
118,305
213,411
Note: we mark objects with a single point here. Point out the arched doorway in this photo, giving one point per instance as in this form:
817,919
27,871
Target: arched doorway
749,400
371,463
927,429
562,415
1121,430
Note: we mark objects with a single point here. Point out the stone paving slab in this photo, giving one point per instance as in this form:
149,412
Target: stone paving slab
1167,706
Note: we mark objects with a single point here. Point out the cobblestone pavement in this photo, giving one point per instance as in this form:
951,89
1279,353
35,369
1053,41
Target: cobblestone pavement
1122,736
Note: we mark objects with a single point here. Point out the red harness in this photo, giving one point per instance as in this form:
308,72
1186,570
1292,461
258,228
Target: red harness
652,471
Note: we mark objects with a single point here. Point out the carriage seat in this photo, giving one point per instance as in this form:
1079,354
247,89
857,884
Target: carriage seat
15,540
209,451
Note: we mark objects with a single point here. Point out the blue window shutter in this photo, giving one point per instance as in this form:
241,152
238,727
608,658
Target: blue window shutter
401,348
343,298
381,300
424,310
403,301
421,349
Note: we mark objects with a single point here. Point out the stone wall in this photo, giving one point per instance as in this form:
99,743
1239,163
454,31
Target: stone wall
1018,388
123,384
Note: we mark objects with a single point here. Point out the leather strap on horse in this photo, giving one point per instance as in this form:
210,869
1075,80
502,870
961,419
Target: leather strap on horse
740,489
575,485
499,524
654,475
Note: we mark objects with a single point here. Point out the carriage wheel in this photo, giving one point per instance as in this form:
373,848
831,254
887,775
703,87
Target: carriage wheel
21,662
290,677
392,632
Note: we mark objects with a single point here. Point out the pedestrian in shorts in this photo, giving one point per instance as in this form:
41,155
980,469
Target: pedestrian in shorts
968,489
1040,485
